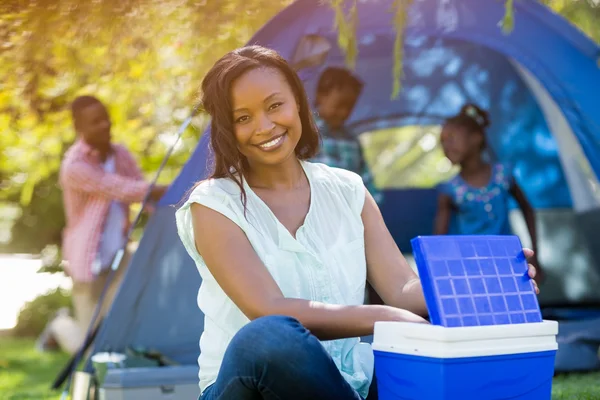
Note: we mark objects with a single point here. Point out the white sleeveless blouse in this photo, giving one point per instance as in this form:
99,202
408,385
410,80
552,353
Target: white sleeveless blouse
325,262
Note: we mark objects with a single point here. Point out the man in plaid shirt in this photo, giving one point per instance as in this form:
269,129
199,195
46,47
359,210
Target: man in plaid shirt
337,93
99,181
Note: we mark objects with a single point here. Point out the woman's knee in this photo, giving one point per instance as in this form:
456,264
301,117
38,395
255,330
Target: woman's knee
268,330
272,340
276,323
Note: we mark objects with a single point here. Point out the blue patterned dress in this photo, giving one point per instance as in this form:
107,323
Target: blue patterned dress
480,211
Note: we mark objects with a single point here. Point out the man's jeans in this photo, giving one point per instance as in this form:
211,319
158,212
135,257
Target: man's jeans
276,358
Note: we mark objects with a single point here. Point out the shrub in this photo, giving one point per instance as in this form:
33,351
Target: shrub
35,314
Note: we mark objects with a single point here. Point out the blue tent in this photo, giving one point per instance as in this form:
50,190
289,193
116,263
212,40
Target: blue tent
540,85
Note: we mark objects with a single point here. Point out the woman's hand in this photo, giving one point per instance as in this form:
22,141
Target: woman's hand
533,272
389,313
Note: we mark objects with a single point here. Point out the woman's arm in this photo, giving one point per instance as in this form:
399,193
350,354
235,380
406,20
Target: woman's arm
243,277
442,216
388,272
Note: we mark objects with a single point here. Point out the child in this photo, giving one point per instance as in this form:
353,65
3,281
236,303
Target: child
475,202
337,92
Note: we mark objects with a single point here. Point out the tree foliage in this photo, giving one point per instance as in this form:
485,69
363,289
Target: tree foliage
144,59
584,14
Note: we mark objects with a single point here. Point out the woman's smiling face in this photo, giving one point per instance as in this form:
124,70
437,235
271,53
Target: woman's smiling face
266,121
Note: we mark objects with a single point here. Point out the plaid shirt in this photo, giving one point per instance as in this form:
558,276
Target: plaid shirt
340,149
87,193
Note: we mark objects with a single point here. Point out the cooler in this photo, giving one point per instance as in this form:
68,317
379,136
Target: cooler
428,362
487,339
154,383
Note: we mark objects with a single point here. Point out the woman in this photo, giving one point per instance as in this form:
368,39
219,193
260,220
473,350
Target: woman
284,247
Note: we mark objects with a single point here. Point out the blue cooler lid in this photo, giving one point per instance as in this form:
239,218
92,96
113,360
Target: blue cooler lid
473,280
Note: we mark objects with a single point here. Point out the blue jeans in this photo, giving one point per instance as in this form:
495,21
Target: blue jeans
276,358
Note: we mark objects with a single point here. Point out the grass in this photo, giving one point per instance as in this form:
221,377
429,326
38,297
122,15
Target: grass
577,387
26,374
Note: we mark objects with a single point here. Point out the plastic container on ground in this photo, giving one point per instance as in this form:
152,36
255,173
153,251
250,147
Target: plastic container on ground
158,383
104,361
429,362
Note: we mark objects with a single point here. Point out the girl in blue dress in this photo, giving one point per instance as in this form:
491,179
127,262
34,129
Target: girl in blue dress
475,201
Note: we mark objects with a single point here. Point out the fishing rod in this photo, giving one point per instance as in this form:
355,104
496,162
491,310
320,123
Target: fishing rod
67,372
